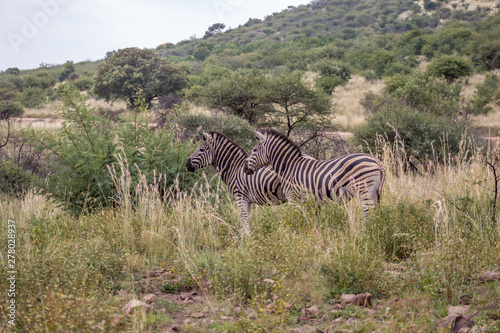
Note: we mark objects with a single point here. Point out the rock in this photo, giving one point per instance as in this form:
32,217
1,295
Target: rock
359,299
458,309
290,306
338,307
150,298
455,322
333,325
135,303
490,276
310,312
197,315
207,322
270,282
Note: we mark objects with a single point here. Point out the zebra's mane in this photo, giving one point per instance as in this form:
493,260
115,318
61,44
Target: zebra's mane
274,133
230,141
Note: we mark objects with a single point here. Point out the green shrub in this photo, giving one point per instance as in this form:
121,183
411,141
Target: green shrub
484,95
450,67
424,135
401,230
9,110
83,83
88,144
33,97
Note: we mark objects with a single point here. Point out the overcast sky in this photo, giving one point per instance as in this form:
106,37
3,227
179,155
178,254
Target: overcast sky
54,31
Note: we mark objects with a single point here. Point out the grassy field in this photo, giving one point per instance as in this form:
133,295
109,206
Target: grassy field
423,250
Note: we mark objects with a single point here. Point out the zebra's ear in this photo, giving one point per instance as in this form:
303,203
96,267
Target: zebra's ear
259,136
206,137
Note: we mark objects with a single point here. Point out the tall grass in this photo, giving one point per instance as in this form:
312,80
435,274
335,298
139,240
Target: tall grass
426,244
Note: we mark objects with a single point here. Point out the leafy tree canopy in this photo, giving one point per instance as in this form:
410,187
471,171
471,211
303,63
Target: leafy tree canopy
129,69
450,67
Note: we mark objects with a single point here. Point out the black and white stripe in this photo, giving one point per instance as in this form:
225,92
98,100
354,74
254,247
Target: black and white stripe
228,158
353,175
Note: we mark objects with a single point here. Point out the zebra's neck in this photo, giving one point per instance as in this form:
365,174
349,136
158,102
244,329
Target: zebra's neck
284,153
228,158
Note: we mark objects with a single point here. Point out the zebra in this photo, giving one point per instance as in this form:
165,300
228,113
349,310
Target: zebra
228,158
358,174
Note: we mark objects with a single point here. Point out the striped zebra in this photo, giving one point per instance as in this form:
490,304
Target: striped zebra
228,158
358,175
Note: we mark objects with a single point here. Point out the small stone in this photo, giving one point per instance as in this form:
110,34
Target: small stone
455,322
197,315
489,276
338,307
270,282
207,322
359,299
458,309
150,298
135,303
313,311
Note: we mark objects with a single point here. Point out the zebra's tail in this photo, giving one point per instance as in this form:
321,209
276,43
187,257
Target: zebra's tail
381,182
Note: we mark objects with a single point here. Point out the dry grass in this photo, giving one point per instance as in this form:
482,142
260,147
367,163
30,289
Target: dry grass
349,113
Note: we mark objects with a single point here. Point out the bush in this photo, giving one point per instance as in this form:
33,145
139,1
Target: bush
9,110
484,95
401,230
33,97
424,135
450,67
83,83
332,74
86,149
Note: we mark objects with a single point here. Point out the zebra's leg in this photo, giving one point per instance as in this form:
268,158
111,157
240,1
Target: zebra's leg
244,206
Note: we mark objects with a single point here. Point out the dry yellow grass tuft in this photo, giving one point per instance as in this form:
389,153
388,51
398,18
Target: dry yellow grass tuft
349,112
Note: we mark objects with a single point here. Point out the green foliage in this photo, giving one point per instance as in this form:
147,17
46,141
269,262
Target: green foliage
83,83
12,71
239,95
332,74
130,69
426,93
450,67
69,68
295,104
32,97
489,53
10,109
88,147
236,128
484,94
400,231
423,135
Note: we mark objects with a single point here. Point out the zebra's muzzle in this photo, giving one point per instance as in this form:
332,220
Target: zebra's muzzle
189,166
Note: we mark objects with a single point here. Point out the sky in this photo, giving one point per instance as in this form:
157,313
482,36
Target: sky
33,32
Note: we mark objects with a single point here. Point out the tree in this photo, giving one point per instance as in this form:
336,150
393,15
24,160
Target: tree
450,67
294,104
69,68
215,28
239,95
12,71
9,110
129,69
331,75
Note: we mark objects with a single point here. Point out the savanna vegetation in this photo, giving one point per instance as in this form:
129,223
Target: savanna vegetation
106,212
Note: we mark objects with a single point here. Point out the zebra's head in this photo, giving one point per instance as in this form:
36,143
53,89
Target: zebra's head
203,156
259,156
